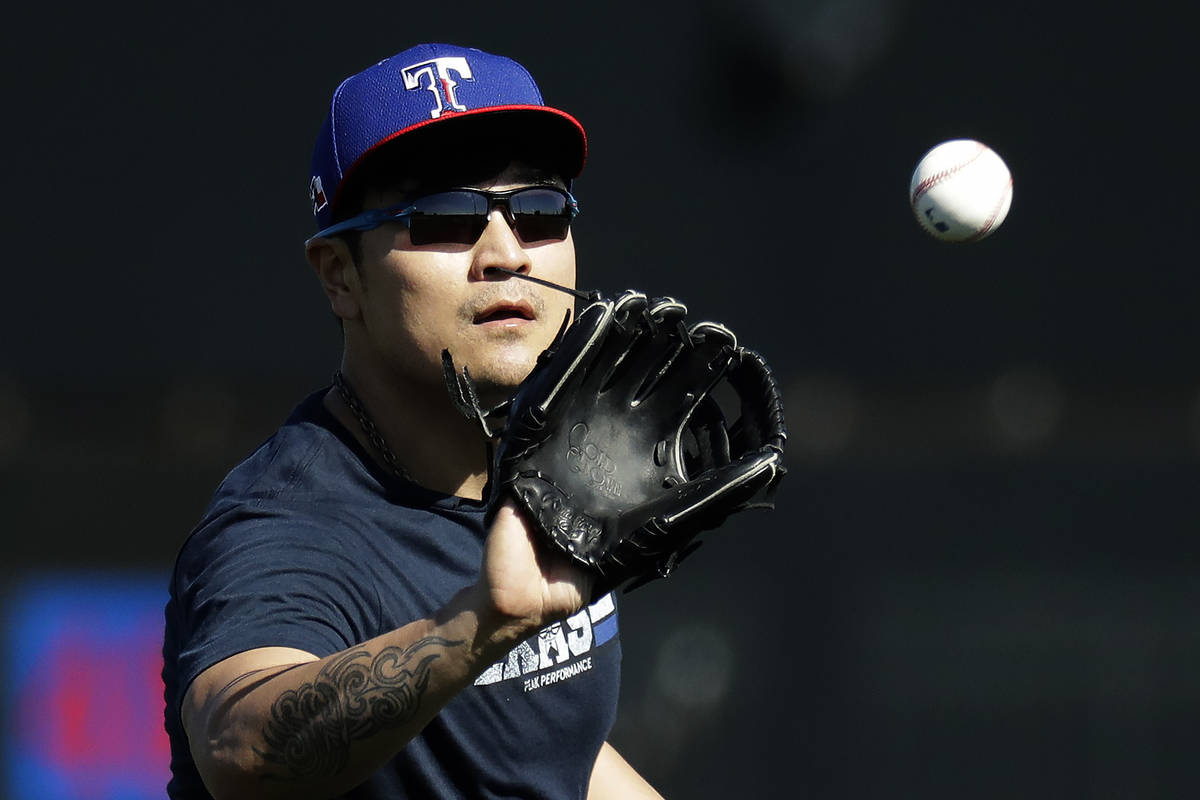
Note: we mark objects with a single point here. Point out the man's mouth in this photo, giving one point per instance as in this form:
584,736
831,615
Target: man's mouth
504,312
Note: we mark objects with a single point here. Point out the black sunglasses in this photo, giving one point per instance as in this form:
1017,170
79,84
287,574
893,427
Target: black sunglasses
459,216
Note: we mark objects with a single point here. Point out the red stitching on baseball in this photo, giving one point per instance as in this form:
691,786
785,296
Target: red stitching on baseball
936,178
987,226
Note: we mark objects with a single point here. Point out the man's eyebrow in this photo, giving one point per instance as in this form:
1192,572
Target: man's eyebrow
554,181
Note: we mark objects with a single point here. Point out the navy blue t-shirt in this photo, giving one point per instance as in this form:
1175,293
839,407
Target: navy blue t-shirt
308,544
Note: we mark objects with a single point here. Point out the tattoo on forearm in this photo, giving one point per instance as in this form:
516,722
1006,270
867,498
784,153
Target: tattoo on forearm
354,696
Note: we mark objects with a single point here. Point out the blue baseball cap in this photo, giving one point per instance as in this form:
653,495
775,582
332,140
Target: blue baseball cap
432,87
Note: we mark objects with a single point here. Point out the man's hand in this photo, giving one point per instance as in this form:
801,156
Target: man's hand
528,585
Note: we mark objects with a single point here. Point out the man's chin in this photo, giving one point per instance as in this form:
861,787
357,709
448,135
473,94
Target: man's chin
498,371
498,382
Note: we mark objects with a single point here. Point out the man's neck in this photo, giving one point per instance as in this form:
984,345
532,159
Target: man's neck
434,445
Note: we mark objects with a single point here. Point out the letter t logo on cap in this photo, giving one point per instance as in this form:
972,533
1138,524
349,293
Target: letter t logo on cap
440,83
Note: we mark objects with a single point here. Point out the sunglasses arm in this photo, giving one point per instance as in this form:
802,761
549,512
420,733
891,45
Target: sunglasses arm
591,296
364,221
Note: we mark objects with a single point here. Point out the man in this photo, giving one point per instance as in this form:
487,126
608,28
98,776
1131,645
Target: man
341,621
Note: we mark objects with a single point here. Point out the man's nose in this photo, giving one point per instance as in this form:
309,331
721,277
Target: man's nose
499,246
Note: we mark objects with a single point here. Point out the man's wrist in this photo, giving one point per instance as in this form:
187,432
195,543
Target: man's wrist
495,633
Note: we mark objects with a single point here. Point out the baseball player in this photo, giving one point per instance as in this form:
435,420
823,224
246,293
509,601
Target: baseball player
346,620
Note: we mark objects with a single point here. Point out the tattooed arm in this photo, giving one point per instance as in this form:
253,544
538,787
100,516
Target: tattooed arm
279,722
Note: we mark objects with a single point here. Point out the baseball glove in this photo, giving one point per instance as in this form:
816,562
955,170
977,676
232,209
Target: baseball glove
616,444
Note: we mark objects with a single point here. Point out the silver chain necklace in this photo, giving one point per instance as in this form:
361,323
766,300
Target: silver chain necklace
368,426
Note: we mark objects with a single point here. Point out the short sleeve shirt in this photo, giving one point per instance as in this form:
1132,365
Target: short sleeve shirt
308,544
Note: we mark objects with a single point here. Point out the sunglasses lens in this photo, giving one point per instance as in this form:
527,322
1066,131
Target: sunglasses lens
460,217
540,214
448,218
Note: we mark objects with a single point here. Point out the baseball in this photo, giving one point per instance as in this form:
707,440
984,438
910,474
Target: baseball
960,191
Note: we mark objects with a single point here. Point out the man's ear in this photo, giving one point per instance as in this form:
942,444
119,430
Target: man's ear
339,277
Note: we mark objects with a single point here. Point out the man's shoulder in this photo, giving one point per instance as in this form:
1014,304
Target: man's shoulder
307,456
301,475
310,485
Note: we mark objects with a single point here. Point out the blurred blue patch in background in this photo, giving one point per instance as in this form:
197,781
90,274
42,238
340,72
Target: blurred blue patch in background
84,703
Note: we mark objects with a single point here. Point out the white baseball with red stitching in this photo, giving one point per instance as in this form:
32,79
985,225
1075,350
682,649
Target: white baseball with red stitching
960,191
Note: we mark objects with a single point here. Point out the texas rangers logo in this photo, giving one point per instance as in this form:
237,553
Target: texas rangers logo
435,77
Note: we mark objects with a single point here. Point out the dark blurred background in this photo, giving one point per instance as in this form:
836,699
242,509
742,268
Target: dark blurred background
980,580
